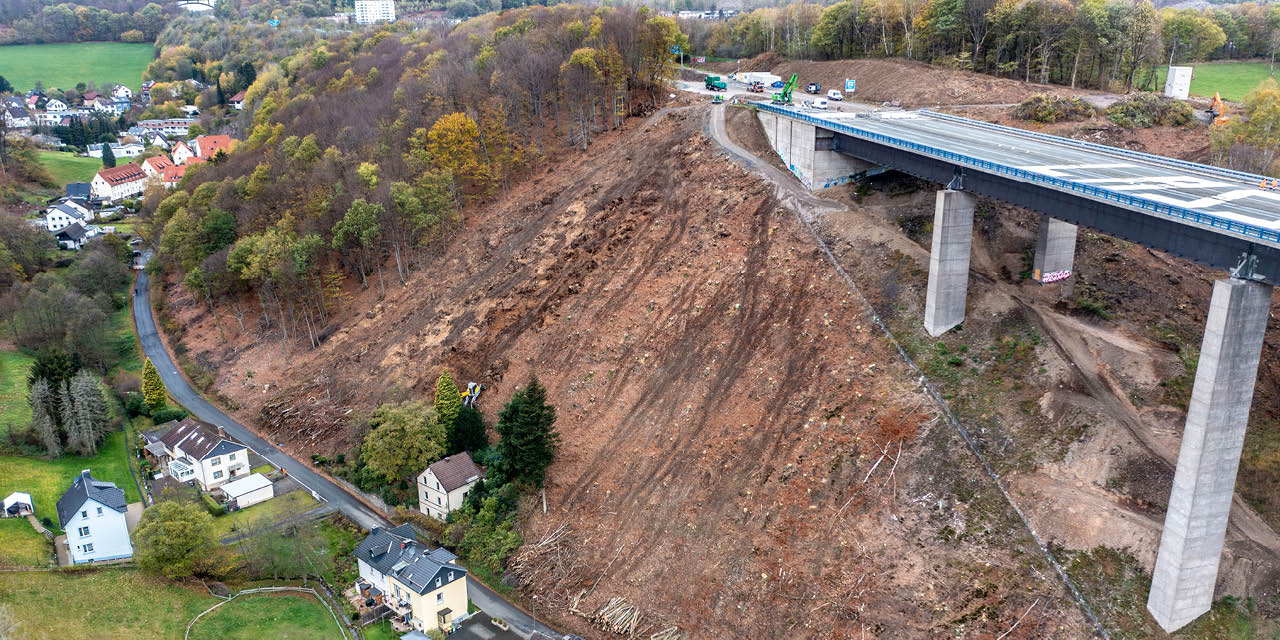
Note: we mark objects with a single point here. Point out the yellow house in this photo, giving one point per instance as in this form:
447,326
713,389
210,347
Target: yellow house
421,585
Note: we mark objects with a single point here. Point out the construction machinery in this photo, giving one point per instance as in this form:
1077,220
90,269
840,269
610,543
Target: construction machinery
814,88
714,83
784,97
1218,109
717,99
756,87
471,394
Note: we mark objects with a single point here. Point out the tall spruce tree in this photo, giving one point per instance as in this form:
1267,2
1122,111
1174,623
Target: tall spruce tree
108,156
152,386
85,414
46,431
468,432
529,440
448,401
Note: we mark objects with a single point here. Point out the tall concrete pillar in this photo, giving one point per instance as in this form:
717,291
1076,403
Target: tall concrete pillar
1196,522
949,261
1055,250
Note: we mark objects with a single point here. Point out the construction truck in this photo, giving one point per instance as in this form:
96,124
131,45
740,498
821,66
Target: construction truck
714,83
756,87
784,97
717,99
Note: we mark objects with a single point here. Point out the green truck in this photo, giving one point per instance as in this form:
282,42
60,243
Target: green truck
714,83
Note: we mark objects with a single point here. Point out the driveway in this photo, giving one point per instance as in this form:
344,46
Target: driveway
488,601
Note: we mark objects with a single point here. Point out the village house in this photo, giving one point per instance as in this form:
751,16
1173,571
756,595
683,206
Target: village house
169,127
181,153
17,505
17,118
155,165
445,484
173,175
206,147
72,236
237,101
122,92
131,150
92,512
422,586
63,215
155,140
116,183
192,451
55,104
146,89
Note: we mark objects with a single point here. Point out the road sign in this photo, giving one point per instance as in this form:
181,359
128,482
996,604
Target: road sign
849,85
675,49
273,22
700,59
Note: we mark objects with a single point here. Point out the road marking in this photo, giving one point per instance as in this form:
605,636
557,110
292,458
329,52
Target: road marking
1062,170
1138,183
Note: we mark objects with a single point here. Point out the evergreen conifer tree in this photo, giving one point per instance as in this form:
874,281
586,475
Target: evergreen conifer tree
41,422
152,386
108,156
448,401
529,440
468,432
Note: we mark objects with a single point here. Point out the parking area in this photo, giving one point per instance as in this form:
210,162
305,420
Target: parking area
479,627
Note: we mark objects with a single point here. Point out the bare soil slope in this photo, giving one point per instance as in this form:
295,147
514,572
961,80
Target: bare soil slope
743,454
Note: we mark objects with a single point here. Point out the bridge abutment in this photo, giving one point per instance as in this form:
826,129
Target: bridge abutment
810,152
1055,250
949,261
1203,485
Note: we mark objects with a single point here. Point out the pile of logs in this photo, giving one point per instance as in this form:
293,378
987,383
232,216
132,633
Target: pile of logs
619,616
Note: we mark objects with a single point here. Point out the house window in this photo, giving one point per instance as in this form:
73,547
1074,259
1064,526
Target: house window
437,582
99,510
438,500
231,457
84,514
439,598
450,576
437,486
217,474
215,462
88,548
83,531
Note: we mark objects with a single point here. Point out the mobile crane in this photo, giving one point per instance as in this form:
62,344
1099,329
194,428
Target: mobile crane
784,97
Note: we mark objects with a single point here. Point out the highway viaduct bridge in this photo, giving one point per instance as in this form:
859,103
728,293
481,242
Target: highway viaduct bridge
1217,217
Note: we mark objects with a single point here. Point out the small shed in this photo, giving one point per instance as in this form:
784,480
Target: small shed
248,490
18,505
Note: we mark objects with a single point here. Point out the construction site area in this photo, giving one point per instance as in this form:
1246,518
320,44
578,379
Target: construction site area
750,446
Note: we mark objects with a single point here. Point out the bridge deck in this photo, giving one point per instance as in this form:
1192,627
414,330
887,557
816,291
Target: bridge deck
1227,202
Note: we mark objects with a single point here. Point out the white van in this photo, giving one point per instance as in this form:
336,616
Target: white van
835,94
819,103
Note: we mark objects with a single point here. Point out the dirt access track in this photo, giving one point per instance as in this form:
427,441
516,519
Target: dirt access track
743,453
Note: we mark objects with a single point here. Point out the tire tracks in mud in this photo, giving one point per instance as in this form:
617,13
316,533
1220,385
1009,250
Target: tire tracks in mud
808,208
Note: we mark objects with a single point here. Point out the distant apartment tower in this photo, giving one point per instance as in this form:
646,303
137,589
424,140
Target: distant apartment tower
373,11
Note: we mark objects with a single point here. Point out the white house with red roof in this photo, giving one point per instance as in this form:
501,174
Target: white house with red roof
181,153
118,183
237,101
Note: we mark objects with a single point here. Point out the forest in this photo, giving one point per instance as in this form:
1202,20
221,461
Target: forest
39,21
364,146
1102,44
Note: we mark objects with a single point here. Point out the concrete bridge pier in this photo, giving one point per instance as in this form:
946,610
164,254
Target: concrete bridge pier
1055,250
1204,482
949,261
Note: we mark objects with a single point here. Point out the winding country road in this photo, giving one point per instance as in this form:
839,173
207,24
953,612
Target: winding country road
488,601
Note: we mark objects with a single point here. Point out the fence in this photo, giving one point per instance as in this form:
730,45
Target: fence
1123,199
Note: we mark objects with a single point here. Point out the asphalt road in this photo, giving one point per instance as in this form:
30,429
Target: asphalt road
484,597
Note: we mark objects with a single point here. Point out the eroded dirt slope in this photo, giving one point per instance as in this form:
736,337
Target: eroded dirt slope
743,454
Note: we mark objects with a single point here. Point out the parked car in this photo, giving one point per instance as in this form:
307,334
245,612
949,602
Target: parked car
778,84
813,87
835,94
819,103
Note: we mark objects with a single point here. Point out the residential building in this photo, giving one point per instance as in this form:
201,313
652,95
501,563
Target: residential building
446,483
155,165
146,89
190,109
17,118
128,150
102,104
195,451
422,586
155,140
81,190
122,91
63,215
92,514
122,105
374,11
169,127
117,183
181,153
205,147
173,175
237,101
55,104
247,491
89,96
72,236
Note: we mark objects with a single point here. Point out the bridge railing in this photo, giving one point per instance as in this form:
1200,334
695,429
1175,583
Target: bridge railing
1151,158
1099,193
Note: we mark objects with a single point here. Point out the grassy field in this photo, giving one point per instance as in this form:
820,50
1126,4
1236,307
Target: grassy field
14,410
1232,80
21,546
282,617
69,167
264,512
63,65
380,631
46,480
108,604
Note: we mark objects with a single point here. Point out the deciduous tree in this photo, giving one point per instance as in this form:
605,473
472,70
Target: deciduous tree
402,441
176,539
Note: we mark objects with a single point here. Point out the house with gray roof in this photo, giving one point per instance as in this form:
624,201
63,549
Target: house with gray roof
72,236
445,484
92,512
192,451
63,215
422,586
